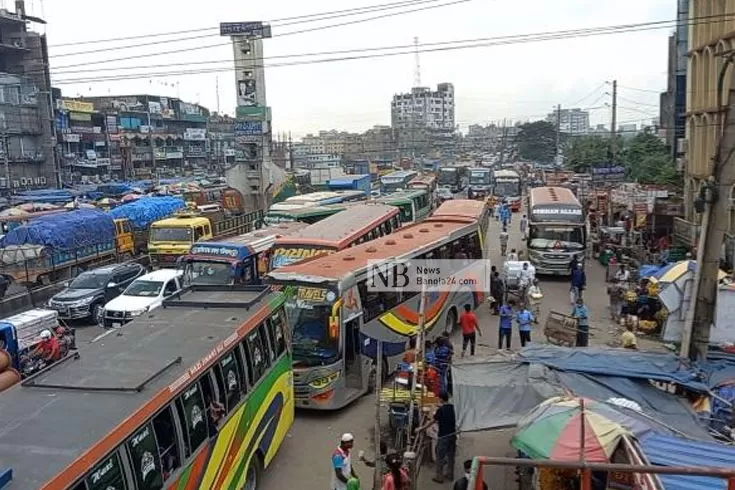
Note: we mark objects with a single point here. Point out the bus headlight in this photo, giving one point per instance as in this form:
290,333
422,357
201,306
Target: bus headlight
321,383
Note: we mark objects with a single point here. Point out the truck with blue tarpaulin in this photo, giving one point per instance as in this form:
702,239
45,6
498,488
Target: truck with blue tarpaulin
239,260
350,182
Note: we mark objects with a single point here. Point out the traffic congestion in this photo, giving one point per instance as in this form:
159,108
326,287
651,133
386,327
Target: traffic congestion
204,347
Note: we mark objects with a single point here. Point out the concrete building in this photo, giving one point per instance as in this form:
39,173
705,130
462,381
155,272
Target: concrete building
571,121
379,143
221,132
334,142
143,136
423,121
26,115
673,101
709,44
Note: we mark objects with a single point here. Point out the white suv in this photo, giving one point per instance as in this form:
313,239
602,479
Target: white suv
143,295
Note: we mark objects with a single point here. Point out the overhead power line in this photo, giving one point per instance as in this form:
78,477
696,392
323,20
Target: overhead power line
335,15
588,95
614,29
637,102
216,28
302,31
464,44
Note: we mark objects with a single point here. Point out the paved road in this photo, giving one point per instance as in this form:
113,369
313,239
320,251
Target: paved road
304,457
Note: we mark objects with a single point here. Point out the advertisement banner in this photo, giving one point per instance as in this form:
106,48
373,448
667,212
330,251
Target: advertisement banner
111,122
614,173
248,128
195,134
246,93
78,116
253,113
71,138
246,140
77,106
170,155
246,29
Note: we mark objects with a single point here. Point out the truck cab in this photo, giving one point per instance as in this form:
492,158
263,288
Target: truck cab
172,238
124,237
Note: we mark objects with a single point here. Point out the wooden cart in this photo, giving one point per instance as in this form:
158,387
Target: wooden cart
561,329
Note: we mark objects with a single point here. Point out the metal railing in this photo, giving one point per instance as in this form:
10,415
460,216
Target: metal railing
586,469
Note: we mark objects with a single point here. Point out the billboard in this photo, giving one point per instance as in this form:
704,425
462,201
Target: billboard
195,134
246,93
253,113
247,29
248,128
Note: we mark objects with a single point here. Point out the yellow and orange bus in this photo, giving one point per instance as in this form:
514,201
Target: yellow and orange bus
336,320
357,224
198,395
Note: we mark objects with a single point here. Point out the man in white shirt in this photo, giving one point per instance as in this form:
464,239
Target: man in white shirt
528,274
623,274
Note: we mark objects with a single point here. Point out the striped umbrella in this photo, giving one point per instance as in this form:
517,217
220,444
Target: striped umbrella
571,429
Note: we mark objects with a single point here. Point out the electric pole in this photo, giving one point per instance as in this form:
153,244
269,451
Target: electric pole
699,319
614,122
558,134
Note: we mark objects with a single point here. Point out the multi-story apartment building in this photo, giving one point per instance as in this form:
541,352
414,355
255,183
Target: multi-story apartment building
26,131
143,136
424,108
221,132
333,142
571,121
709,44
673,101
379,143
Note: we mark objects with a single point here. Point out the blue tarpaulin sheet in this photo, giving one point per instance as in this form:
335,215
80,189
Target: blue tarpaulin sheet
143,212
64,231
665,450
649,270
663,367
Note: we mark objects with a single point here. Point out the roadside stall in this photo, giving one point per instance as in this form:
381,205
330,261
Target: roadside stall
576,429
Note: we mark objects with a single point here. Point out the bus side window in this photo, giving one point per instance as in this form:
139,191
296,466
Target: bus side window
257,355
249,379
146,463
207,230
108,474
230,375
190,406
242,365
270,353
275,330
168,447
370,302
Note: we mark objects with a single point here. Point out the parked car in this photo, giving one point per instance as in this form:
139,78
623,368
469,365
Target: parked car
143,295
86,296
444,194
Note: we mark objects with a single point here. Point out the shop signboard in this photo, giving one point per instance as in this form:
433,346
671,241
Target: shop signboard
77,106
608,173
195,134
111,122
71,138
253,113
248,128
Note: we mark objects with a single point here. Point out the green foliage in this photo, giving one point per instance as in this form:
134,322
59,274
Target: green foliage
586,152
646,158
536,142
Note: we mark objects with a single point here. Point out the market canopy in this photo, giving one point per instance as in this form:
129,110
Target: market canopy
569,429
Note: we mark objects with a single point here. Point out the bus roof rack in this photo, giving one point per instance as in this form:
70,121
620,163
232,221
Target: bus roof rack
217,296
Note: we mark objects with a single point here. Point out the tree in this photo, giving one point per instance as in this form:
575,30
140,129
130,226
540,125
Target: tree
648,161
536,142
586,152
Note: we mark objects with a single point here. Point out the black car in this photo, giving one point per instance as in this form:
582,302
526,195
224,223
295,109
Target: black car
86,295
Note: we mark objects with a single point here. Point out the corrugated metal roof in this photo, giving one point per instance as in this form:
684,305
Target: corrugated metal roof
666,450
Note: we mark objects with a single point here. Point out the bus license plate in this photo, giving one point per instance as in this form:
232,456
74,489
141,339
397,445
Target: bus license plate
116,324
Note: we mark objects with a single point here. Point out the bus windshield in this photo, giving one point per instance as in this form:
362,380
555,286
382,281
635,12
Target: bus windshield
171,234
312,344
508,188
392,185
479,178
557,237
209,273
406,212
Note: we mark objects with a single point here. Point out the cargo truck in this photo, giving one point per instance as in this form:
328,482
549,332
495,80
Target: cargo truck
172,238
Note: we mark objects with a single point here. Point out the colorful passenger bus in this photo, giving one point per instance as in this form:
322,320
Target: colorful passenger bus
320,199
197,396
396,181
309,215
463,210
415,205
507,185
355,225
239,260
426,182
336,320
557,229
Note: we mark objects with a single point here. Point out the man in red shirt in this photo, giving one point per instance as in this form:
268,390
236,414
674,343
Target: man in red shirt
48,348
470,326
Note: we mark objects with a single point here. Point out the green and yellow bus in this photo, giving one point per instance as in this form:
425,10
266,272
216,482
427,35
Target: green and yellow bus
198,395
415,205
309,215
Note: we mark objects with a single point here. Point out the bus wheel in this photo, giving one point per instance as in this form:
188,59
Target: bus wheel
252,479
451,321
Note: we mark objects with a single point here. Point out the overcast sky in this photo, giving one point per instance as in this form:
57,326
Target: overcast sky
515,81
